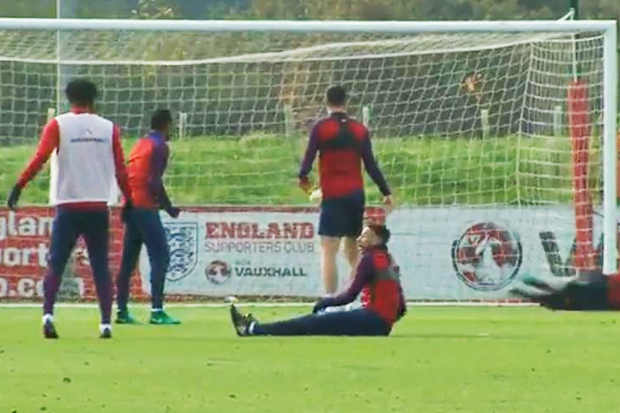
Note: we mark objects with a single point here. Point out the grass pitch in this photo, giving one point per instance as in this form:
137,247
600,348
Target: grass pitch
262,170
438,360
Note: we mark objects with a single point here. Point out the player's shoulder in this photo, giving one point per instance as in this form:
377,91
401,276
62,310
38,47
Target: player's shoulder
157,142
381,259
142,146
148,143
354,121
105,121
359,129
378,258
321,121
89,117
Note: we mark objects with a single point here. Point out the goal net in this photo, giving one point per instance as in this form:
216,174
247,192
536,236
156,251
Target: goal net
493,141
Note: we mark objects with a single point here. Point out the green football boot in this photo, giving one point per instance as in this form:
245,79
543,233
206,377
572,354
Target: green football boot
125,317
160,317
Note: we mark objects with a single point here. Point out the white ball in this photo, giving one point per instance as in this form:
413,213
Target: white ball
316,195
231,299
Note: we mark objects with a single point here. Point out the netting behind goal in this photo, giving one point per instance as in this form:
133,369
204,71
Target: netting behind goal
485,139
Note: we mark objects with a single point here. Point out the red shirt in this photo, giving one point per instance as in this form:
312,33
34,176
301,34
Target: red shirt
147,163
383,293
342,144
50,140
377,278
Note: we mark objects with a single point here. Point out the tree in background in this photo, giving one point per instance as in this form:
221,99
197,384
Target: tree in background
28,8
154,9
320,9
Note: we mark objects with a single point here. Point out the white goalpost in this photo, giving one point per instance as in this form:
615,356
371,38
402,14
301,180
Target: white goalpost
498,138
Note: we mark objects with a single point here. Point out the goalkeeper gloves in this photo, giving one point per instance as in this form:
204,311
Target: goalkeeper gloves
14,197
566,293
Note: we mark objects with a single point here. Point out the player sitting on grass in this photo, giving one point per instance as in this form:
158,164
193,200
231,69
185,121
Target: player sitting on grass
89,156
146,165
591,291
342,144
377,278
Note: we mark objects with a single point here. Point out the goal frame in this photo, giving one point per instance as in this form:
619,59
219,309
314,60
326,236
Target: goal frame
610,64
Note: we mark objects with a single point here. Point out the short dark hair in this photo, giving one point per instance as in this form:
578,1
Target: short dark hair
336,96
382,232
81,92
160,119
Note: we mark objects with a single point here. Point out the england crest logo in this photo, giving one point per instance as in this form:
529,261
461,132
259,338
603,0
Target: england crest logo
183,244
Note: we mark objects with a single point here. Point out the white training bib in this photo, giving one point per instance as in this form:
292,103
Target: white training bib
83,170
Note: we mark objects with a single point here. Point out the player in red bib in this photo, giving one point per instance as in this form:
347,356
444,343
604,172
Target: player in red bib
89,155
377,278
146,166
342,144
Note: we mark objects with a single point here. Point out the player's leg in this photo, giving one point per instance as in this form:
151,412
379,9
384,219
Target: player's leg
132,243
360,322
63,238
154,236
354,221
329,270
340,217
95,228
330,223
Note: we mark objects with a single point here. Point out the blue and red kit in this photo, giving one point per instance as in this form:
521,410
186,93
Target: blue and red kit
81,217
50,142
342,144
377,279
146,166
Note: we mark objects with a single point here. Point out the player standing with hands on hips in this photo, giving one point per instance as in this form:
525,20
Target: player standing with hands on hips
146,166
342,144
89,156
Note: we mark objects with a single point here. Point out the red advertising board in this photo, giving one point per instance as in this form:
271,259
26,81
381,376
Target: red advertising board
24,246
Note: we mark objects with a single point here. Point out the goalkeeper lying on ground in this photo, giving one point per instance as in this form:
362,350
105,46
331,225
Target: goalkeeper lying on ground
377,278
591,291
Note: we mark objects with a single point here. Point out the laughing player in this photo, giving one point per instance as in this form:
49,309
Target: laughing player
89,156
377,278
342,144
146,166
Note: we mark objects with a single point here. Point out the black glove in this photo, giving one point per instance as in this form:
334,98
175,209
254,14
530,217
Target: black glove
14,197
566,293
579,296
126,211
173,211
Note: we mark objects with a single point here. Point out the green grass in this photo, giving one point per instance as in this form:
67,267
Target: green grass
261,169
438,360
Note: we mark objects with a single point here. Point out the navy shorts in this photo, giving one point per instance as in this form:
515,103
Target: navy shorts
342,216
